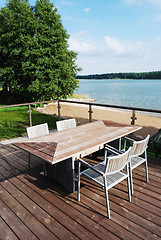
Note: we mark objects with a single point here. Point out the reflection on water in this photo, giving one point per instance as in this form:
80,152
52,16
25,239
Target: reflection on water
132,93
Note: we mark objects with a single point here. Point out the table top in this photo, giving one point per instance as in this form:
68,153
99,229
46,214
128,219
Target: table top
75,142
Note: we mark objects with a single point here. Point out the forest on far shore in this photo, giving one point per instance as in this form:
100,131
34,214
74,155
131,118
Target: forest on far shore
140,75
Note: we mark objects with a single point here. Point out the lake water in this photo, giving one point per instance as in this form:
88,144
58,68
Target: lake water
130,93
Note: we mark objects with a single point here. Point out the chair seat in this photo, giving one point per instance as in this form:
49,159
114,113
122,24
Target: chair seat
136,161
111,179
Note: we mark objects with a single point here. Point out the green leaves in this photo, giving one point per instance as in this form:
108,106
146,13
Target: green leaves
35,62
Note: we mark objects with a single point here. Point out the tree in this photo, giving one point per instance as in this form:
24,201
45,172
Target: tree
35,60
15,29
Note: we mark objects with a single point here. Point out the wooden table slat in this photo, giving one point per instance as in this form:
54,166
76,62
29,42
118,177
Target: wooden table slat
75,142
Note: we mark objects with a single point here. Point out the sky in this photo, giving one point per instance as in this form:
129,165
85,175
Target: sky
112,35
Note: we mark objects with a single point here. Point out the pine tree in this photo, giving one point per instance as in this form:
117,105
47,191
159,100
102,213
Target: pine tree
55,68
35,60
15,30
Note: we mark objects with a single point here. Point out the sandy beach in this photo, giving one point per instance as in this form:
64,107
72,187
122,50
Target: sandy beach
150,124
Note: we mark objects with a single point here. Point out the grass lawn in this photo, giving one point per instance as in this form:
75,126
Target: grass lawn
13,121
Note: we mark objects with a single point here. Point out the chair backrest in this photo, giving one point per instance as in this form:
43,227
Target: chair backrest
139,147
118,162
65,124
38,130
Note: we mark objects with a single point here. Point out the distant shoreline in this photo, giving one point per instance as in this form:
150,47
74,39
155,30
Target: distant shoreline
116,79
130,75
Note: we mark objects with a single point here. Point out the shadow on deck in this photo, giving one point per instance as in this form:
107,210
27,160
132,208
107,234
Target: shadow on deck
34,207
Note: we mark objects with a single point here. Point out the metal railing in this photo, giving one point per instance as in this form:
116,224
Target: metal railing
90,111
133,109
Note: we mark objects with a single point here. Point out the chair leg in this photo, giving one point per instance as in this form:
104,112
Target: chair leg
131,180
128,183
146,167
119,144
107,199
79,166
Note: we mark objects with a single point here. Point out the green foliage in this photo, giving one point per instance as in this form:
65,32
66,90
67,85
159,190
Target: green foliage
141,75
15,30
35,62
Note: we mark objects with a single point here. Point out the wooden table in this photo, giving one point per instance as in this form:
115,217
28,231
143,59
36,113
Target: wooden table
64,147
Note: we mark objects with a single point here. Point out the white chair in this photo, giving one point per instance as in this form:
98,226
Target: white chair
66,124
138,156
38,130
107,173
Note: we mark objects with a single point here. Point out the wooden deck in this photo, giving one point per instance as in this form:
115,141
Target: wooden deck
34,207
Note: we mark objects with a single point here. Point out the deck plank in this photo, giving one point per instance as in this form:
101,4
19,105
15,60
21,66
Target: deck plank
6,232
81,231
33,206
51,210
16,228
121,214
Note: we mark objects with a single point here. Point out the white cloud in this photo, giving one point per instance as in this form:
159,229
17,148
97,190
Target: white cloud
114,45
87,9
122,48
82,44
85,47
115,55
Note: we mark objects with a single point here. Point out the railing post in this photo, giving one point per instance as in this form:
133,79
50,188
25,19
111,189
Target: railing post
30,118
58,110
133,117
90,112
